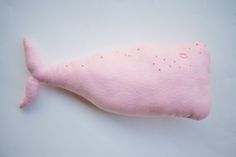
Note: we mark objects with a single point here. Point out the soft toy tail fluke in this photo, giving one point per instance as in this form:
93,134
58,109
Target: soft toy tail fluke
138,82
35,67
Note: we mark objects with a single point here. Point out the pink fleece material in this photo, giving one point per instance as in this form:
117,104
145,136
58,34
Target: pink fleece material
138,82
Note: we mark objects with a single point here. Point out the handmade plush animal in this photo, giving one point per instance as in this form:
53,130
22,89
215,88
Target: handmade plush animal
139,82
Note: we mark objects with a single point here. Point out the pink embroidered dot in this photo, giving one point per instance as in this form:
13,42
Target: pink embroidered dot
183,55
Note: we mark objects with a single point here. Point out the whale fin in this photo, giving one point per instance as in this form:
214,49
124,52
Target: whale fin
33,61
35,67
31,91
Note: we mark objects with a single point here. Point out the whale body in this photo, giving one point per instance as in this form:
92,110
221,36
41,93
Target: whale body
137,82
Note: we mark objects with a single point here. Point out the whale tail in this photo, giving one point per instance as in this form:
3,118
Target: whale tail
36,69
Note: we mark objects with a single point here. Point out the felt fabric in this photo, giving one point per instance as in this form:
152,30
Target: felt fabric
138,82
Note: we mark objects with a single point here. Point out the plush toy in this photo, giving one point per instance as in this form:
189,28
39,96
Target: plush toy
138,82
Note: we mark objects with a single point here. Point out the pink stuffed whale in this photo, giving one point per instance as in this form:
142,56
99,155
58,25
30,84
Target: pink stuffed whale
138,82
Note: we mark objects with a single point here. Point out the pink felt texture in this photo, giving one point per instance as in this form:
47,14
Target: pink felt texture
138,82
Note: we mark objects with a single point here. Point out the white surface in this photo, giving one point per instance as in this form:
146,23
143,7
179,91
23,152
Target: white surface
59,124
